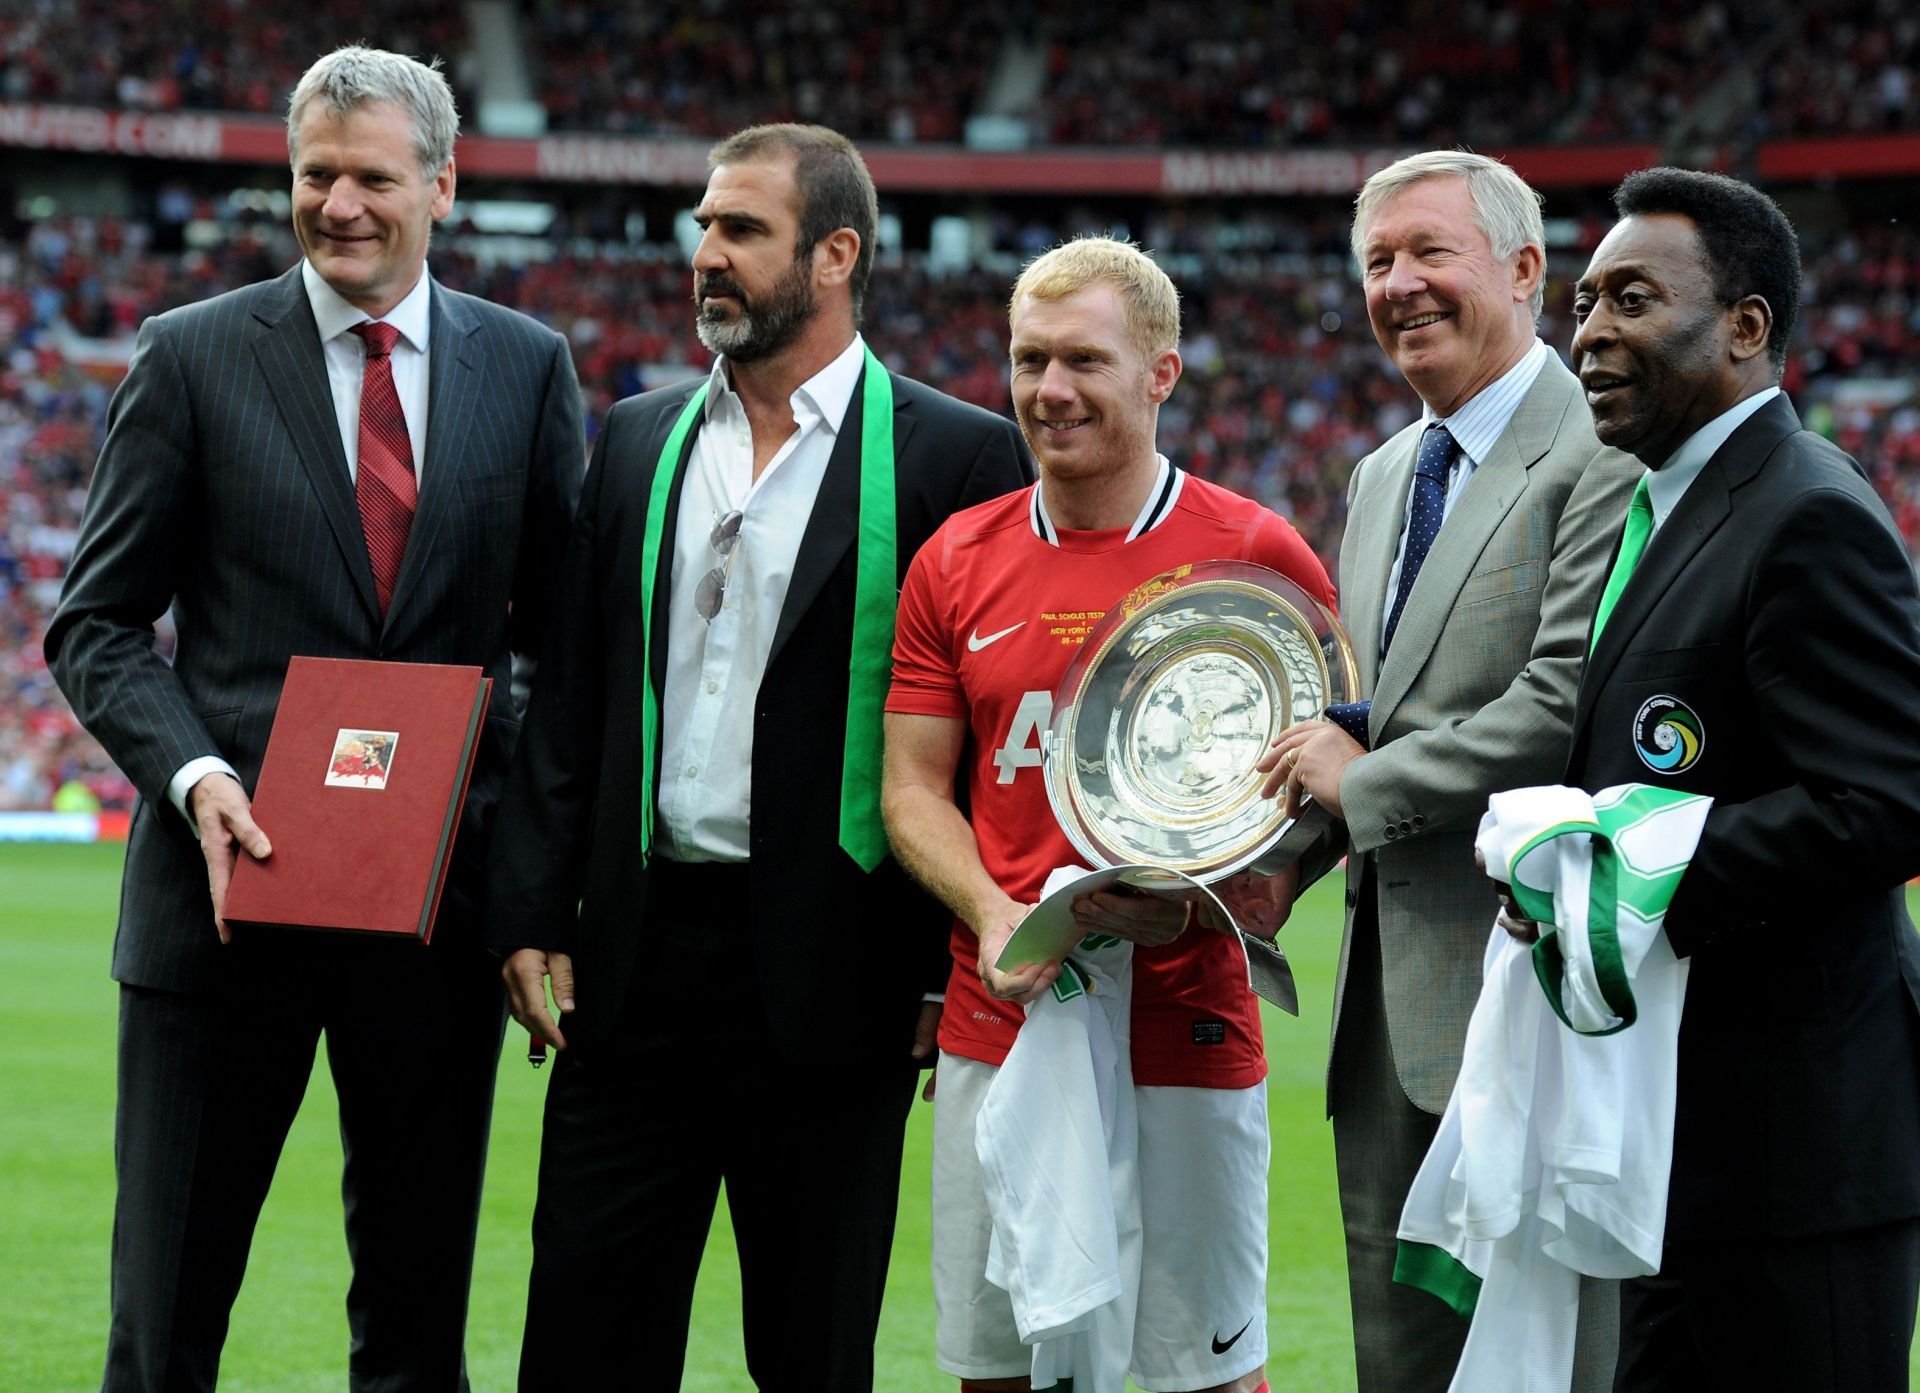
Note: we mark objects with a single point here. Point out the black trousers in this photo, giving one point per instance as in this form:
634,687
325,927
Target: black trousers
642,1128
207,1090
1830,1313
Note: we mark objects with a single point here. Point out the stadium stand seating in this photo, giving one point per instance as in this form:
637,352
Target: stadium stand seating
1232,73
1284,386
230,55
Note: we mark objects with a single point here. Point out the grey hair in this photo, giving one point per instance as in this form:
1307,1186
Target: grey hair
1504,205
350,77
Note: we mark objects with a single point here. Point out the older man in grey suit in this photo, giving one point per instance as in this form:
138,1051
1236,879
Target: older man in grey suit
1477,541
347,461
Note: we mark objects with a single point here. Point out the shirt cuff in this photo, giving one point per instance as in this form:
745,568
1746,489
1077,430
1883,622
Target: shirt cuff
937,998
191,773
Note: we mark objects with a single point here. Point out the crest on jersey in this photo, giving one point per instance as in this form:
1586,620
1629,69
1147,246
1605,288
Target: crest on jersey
1668,735
1159,585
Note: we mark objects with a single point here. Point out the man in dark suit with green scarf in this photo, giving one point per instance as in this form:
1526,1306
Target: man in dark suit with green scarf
690,851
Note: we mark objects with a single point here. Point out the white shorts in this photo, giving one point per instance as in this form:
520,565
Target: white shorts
1203,1251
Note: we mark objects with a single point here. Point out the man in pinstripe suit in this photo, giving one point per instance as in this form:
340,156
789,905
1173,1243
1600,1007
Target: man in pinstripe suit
234,486
1477,540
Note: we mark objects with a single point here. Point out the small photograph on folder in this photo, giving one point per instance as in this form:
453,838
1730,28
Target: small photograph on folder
362,835
361,758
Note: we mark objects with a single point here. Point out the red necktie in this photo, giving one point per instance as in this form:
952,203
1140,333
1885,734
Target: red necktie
384,482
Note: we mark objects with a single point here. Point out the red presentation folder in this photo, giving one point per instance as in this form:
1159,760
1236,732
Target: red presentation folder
360,793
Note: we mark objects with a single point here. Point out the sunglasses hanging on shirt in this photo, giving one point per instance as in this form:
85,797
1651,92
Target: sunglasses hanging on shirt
712,590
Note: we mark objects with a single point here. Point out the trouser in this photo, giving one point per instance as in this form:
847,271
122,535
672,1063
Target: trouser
207,1091
1829,1313
683,1093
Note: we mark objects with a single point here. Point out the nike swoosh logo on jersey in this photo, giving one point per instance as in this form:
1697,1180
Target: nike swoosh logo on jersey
975,643
1222,1346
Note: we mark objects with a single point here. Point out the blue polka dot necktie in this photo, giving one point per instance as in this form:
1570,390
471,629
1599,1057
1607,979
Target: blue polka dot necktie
1424,516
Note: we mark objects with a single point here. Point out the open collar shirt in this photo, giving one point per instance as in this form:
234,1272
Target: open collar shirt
714,669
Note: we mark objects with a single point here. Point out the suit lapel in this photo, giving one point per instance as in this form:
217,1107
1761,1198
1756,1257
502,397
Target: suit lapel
835,520
1374,538
455,357
1701,510
295,369
1497,484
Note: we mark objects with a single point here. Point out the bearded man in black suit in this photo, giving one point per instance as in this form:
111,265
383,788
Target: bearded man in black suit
691,851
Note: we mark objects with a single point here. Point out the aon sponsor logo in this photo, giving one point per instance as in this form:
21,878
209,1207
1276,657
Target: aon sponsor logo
1025,736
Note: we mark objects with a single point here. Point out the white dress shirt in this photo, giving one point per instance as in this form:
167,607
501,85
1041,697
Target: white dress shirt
1475,428
714,669
346,355
347,360
1668,484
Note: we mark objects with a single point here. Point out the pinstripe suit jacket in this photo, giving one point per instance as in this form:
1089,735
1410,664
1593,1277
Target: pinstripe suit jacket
222,490
1476,695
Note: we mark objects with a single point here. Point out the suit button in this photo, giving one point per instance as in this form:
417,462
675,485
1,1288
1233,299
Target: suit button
1353,897
1406,827
1418,821
1392,831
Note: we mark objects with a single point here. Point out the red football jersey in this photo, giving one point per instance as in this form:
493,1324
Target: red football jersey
993,608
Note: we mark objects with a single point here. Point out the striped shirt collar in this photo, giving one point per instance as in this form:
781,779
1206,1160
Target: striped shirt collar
1167,484
1484,419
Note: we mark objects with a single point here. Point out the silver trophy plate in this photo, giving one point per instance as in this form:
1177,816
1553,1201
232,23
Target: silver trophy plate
1169,703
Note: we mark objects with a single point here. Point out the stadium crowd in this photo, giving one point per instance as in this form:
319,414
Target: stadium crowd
1284,386
1853,69
1500,71
169,55
1508,73
893,70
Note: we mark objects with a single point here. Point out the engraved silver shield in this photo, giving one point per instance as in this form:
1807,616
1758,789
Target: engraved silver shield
1168,704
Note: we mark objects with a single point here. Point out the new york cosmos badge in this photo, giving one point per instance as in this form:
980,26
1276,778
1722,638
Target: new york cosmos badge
1668,735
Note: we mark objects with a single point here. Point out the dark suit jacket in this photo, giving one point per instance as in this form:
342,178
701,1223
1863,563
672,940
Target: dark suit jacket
223,491
1778,604
840,959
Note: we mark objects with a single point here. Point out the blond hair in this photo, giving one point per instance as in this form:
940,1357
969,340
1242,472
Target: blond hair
1148,299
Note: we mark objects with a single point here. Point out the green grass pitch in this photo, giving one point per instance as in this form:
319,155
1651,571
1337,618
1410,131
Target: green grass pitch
289,1333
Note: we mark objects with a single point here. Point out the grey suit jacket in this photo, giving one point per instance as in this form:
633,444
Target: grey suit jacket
1476,695
222,491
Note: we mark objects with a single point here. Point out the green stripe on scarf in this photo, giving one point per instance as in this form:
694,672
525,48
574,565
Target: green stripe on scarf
662,488
875,596
876,593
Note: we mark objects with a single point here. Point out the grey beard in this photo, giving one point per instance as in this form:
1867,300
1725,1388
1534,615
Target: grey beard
734,338
759,331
